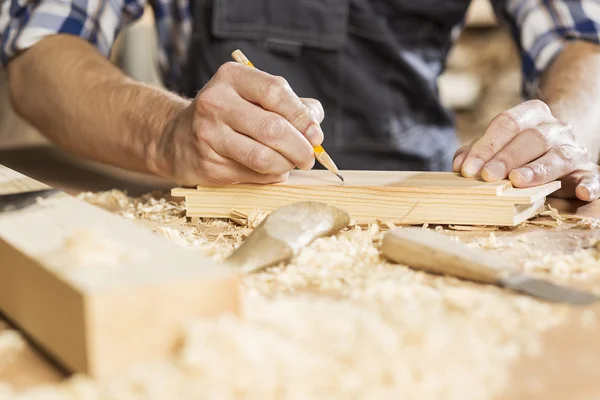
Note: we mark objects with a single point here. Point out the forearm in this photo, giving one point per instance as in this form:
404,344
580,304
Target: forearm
86,105
571,87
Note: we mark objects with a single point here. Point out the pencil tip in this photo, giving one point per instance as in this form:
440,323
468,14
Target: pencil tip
341,177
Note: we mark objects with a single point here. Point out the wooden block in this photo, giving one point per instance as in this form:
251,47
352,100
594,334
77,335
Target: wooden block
399,197
98,292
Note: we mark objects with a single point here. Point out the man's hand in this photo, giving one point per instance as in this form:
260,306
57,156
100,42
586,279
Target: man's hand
244,126
530,146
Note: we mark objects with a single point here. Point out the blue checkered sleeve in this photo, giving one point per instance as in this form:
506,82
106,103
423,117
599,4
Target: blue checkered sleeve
543,27
23,23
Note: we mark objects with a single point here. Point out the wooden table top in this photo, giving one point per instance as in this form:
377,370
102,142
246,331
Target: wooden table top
567,367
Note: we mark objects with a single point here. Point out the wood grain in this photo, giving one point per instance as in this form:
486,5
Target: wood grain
96,291
400,197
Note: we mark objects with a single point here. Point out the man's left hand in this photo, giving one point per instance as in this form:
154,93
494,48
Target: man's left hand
531,147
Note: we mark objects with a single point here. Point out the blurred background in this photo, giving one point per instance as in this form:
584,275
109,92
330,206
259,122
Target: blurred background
482,77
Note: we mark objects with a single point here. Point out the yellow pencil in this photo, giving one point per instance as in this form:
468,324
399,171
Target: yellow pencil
320,153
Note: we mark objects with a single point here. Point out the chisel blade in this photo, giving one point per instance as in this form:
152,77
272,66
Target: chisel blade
547,290
18,201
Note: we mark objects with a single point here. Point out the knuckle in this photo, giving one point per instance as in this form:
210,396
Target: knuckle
507,122
510,156
567,130
540,105
272,129
275,90
306,154
542,137
207,103
260,159
485,151
302,117
541,170
227,69
568,154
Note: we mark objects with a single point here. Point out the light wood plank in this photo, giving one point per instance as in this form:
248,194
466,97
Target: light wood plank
96,291
399,211
392,181
428,197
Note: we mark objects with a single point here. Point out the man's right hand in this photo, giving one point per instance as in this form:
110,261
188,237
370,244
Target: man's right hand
244,126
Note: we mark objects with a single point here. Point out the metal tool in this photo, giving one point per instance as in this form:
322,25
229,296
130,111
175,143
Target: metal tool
19,201
284,232
436,253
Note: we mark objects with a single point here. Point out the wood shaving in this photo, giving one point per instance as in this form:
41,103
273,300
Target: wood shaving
579,265
589,318
250,220
553,213
589,223
472,228
151,207
336,322
551,224
11,344
10,341
491,242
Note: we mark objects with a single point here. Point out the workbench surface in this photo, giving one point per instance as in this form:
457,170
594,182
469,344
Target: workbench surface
567,366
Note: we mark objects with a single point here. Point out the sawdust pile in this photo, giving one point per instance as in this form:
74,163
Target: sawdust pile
336,322
11,343
152,206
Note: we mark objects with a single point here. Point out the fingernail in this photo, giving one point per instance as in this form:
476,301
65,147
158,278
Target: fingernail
584,192
472,167
314,135
525,174
494,171
457,163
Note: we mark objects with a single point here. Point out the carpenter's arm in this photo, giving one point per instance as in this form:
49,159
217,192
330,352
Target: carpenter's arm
555,136
244,126
571,87
75,96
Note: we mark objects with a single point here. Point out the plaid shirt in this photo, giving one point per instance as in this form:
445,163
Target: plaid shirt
540,27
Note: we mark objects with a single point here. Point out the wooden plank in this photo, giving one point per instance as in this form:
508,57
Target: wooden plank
392,181
398,211
96,291
399,197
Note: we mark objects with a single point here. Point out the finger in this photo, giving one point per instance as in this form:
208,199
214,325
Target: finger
588,188
502,130
273,93
315,107
220,170
236,173
526,147
270,130
250,153
556,163
459,158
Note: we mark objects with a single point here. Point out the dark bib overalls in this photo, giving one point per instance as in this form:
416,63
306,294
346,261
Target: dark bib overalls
373,64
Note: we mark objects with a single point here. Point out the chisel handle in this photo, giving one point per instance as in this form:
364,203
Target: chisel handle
436,253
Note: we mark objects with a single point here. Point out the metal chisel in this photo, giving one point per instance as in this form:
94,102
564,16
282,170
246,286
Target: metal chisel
18,201
436,253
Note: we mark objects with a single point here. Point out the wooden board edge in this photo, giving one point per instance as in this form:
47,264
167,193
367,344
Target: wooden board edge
532,194
29,299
